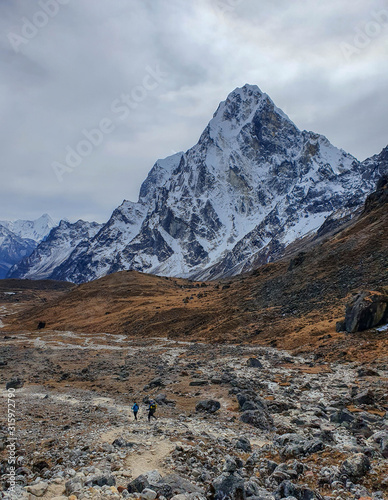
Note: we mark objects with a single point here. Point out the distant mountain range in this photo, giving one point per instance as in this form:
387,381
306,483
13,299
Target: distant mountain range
253,184
19,239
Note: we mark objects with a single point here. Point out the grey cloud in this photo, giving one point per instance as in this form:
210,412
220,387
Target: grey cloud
65,79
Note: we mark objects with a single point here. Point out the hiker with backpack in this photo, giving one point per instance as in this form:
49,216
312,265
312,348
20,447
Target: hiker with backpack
135,409
152,410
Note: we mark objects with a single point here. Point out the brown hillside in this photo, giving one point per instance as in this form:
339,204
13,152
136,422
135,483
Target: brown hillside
293,303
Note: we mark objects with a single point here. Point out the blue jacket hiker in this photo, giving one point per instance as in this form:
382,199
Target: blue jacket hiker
135,409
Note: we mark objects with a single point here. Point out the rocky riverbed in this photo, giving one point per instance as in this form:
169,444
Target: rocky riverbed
233,421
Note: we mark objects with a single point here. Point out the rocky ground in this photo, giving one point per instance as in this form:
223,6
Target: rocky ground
235,421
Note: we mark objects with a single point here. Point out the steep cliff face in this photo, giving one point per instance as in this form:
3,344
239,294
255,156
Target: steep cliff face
251,185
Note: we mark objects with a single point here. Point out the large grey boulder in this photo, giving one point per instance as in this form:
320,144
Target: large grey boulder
381,440
356,466
208,406
38,489
254,363
260,419
288,489
366,310
254,490
176,485
148,480
101,481
228,487
243,444
15,383
294,445
73,486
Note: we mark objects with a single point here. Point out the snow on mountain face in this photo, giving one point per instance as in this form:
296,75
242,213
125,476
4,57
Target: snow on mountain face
56,248
12,249
33,230
252,184
100,254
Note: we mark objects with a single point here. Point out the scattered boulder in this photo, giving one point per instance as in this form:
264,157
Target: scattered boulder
367,372
38,489
162,400
122,443
288,489
340,416
249,405
366,310
15,383
208,406
253,490
73,486
243,444
250,401
355,466
279,406
294,445
156,382
101,481
258,418
381,439
228,485
232,464
254,363
39,466
364,398
198,383
177,485
148,494
148,480
41,325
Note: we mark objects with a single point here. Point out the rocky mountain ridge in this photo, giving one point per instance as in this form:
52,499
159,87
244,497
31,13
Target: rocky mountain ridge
51,252
253,184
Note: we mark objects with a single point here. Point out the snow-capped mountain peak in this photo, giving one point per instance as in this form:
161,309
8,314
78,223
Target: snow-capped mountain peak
251,185
35,230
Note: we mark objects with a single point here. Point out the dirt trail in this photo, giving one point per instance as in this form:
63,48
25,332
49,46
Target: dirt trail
154,450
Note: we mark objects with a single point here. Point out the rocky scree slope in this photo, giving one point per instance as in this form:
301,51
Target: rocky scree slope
251,185
285,426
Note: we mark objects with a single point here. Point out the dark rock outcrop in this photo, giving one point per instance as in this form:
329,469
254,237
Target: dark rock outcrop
208,406
366,310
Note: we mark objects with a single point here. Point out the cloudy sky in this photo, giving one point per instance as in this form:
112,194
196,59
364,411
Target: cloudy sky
148,74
